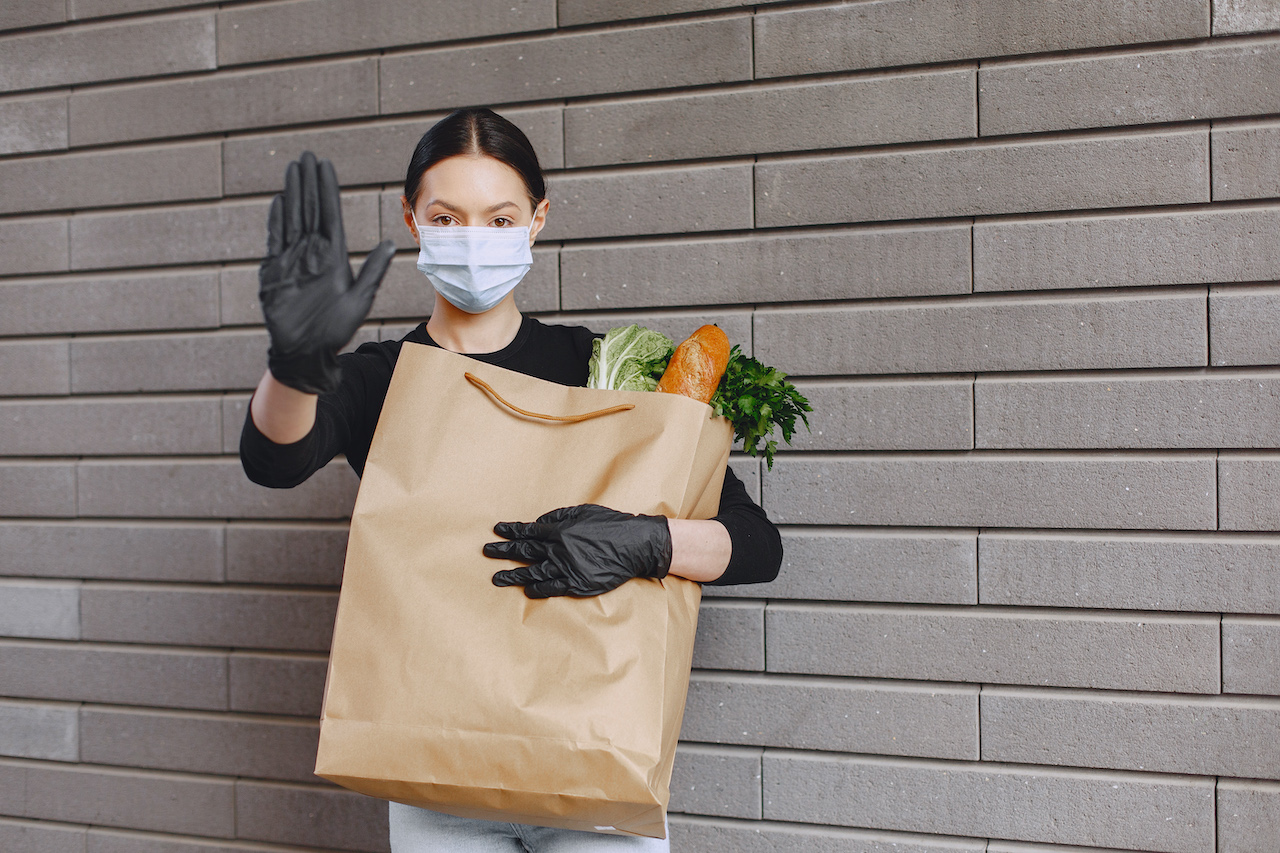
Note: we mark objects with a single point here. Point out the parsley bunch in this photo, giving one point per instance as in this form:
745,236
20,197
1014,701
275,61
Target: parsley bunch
756,399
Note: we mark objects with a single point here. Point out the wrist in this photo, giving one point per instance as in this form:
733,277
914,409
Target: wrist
312,372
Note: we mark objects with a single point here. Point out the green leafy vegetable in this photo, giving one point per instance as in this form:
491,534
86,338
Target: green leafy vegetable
629,358
756,399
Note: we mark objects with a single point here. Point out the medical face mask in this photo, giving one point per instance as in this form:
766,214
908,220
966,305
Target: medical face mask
473,267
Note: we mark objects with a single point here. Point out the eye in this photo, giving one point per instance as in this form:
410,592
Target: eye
502,222
443,219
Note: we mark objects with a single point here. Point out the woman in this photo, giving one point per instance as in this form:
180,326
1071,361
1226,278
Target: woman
475,201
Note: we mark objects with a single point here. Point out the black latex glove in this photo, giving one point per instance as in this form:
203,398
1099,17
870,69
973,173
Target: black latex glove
310,300
582,550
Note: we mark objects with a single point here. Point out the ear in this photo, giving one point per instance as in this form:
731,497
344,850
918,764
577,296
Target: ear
539,219
408,217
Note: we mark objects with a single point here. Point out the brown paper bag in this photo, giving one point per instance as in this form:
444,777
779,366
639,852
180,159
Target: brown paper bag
449,693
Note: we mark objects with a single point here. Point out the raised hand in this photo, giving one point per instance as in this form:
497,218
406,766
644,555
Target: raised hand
310,300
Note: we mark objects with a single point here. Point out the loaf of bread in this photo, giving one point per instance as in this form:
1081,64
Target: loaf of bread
697,365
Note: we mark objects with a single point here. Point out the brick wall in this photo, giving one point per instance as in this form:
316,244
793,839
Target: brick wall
1021,255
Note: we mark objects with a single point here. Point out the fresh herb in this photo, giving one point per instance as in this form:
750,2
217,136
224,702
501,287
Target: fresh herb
629,358
757,399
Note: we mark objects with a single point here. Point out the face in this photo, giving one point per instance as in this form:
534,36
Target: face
474,190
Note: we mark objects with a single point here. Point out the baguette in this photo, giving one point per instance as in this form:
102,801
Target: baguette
697,365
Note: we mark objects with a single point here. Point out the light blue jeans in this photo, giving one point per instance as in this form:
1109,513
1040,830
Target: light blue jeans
415,830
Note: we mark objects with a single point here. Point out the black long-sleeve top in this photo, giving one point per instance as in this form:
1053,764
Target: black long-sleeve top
347,417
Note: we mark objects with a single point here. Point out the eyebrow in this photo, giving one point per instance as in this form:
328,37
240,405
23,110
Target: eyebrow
499,206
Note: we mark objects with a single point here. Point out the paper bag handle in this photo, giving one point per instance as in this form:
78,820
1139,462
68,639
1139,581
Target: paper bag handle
567,419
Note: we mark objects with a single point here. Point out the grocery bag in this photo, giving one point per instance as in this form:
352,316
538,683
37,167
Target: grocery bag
449,693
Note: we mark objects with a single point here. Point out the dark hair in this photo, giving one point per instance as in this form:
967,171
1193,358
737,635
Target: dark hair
475,130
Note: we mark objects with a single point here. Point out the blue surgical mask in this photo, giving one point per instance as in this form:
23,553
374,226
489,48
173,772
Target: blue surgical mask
474,268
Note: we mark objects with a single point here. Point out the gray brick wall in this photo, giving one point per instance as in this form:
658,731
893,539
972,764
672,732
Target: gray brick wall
1023,255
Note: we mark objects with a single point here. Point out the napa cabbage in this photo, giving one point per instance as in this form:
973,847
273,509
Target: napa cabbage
629,358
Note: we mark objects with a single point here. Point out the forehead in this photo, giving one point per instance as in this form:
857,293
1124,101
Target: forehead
472,178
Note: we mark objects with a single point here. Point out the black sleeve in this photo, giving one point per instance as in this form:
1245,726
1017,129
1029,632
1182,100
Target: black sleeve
342,425
757,546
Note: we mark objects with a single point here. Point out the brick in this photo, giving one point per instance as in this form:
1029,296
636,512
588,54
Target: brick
44,609
230,231
849,264
32,13
32,368
39,837
188,616
1201,736
309,28
1015,847
1127,251
1150,329
84,9
368,153
118,841
1248,814
115,51
38,730
200,362
166,802
135,302
1019,177
572,12
165,552
28,490
1106,652
111,426
1244,16
870,565
1246,161
235,407
718,836
226,745
1129,810
880,415
238,295
1239,410
1185,84
866,111
661,201
716,781
665,56
112,178
981,490
231,360
803,713
1249,652
1209,573
277,684
105,673
910,32
675,325
294,814
730,636
36,123
1248,492
208,488
1242,326
747,469
294,554
33,245
235,100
